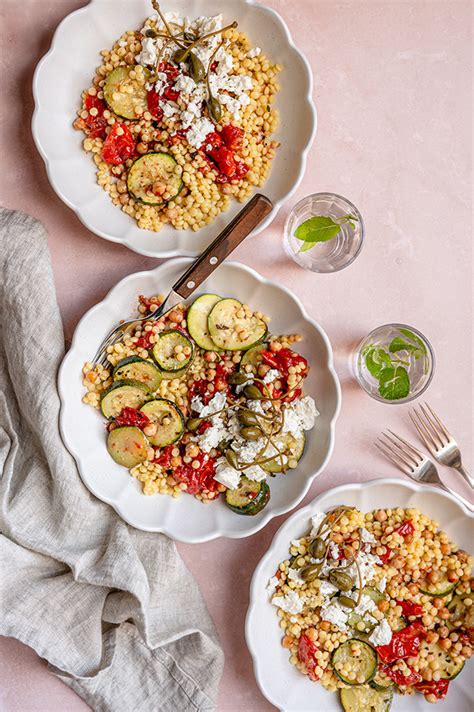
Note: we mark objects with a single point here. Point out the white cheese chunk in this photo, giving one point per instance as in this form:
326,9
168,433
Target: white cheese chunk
316,520
382,634
335,615
148,55
198,131
227,475
295,575
255,473
327,589
271,375
272,586
290,603
254,52
382,584
367,537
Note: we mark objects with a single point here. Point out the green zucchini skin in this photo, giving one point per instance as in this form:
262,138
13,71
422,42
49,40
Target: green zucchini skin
249,498
150,169
122,394
364,665
160,411
252,356
222,322
124,106
366,699
293,448
163,351
197,320
127,445
447,667
440,589
134,368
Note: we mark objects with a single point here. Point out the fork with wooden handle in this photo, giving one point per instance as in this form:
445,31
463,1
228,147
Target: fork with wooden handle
231,236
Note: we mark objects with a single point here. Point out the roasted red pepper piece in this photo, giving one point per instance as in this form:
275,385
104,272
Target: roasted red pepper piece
233,137
199,479
411,609
204,425
399,678
213,140
404,644
96,125
144,340
438,689
154,105
225,160
119,145
170,94
385,557
164,458
405,529
306,654
132,416
168,69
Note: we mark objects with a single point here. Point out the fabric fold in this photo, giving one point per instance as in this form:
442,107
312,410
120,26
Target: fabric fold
113,609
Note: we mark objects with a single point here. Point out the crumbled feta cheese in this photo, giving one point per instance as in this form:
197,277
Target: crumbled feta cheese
212,436
255,473
254,52
316,520
185,84
333,550
240,387
169,109
295,542
148,55
382,584
198,131
367,563
305,409
335,615
217,402
291,422
272,586
366,605
227,475
291,603
367,537
294,575
382,634
327,589
271,375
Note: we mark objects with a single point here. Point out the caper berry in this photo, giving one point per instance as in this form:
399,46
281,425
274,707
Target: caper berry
193,424
150,33
347,602
341,579
317,548
214,108
311,572
237,379
251,433
198,73
180,56
248,417
253,393
232,458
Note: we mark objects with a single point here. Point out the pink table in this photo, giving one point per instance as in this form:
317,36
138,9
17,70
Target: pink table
392,86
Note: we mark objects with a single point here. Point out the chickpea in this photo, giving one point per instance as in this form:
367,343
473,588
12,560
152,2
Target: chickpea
413,588
433,576
438,602
383,606
380,515
445,644
325,625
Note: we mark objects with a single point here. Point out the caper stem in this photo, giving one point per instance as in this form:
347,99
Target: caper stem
232,26
156,6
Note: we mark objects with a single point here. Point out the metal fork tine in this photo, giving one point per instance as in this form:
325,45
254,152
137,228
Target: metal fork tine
432,428
415,454
422,432
396,449
441,426
395,460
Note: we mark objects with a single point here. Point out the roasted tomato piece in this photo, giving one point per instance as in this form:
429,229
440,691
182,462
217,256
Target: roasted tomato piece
405,529
119,145
132,416
198,479
233,137
410,609
399,678
164,458
95,125
154,104
224,158
306,654
405,643
439,689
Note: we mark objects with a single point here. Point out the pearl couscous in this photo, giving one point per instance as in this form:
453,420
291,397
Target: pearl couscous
179,119
376,603
204,400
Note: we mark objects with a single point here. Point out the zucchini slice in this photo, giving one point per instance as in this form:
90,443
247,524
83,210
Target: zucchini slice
374,594
291,447
381,681
363,664
137,369
171,375
153,176
122,394
354,619
127,446
249,498
232,332
460,613
440,588
171,343
447,667
252,357
123,102
168,418
366,699
196,319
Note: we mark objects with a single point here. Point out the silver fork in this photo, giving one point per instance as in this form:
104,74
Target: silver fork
413,463
231,236
438,440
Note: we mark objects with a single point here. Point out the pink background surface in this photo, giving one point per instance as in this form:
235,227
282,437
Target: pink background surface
393,87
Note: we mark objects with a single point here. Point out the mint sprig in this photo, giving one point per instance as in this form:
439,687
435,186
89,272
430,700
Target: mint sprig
389,370
320,228
394,383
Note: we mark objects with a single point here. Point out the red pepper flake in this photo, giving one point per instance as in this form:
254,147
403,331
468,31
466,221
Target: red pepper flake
133,417
306,654
439,689
410,609
399,678
119,145
200,479
405,643
96,125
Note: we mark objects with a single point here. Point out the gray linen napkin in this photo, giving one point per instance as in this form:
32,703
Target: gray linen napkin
113,610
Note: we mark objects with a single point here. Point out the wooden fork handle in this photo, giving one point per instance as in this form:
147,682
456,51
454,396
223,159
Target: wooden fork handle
231,236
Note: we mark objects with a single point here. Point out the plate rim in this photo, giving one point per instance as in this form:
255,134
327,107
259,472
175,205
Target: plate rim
281,533
329,364
175,252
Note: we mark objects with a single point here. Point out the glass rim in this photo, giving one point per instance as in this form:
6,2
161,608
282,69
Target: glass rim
353,209
409,397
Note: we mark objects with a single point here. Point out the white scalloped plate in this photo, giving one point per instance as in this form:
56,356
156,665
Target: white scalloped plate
67,69
278,680
187,519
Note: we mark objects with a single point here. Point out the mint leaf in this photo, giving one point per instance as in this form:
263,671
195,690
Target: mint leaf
376,359
394,383
399,344
414,338
307,246
317,229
